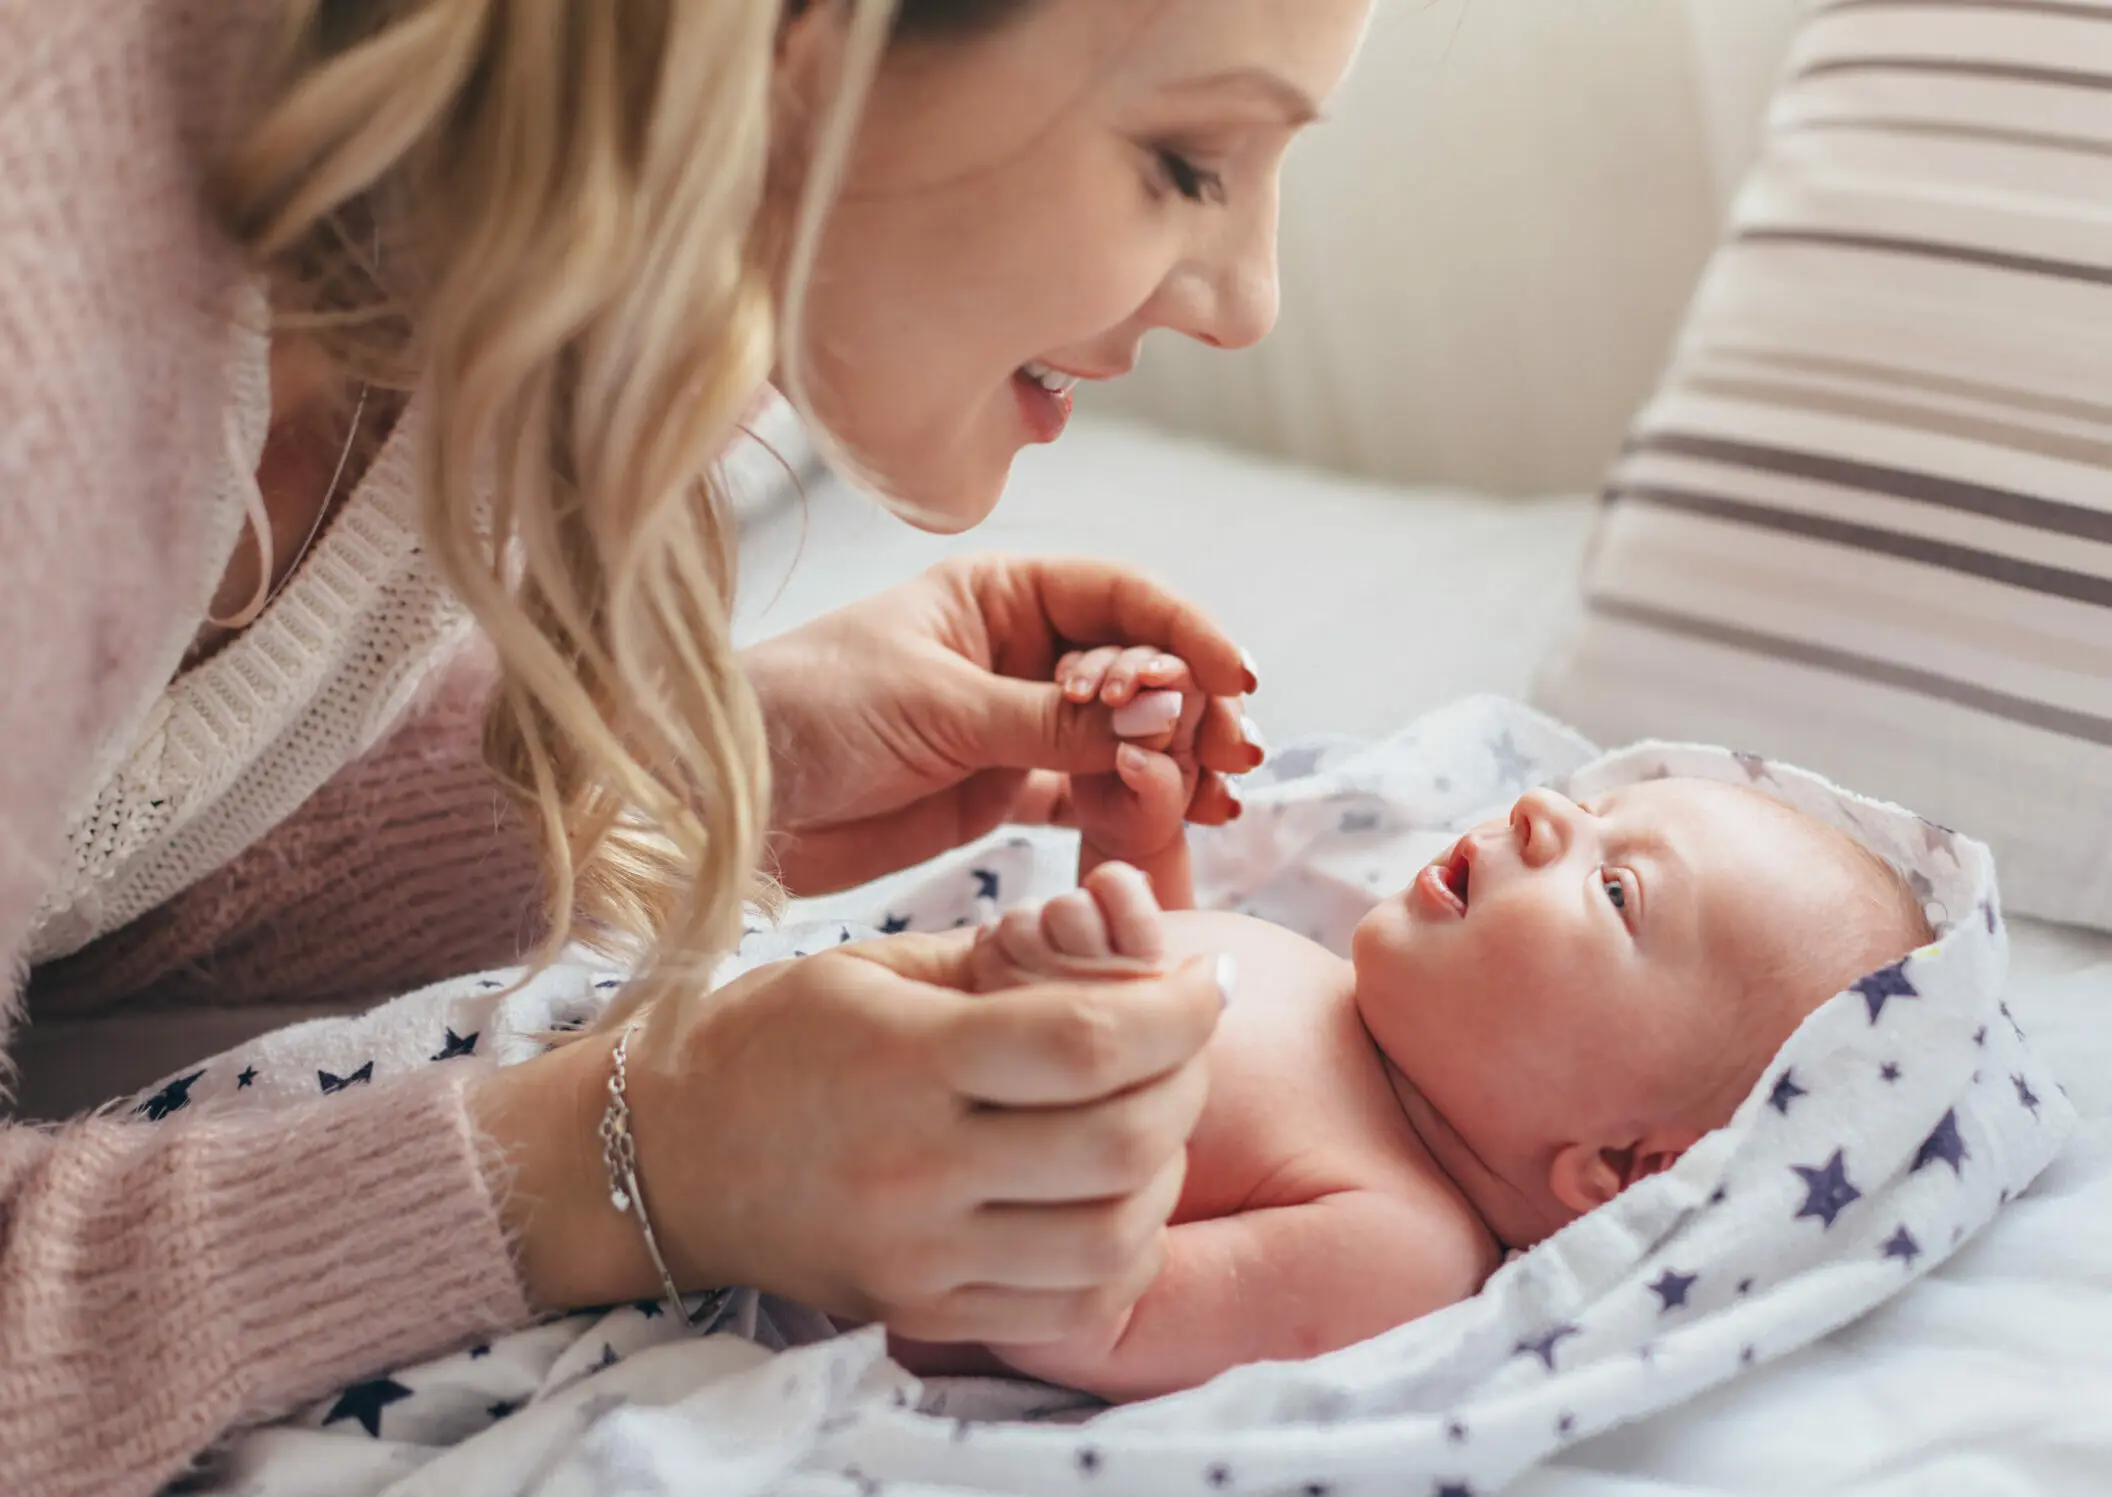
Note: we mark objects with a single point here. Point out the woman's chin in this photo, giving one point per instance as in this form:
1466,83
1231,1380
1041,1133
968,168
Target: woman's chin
948,503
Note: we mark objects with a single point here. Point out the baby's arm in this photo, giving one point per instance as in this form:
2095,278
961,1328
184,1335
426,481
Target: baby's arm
1276,1284
1138,813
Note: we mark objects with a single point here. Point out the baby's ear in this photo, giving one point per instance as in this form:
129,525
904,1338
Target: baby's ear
1585,1177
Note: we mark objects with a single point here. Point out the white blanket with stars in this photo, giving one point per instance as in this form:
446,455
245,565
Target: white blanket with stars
1892,1127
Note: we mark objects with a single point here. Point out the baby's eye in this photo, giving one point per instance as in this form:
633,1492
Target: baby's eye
1616,892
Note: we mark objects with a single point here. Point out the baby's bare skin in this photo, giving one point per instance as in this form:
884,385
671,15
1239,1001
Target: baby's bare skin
1558,1007
1312,1216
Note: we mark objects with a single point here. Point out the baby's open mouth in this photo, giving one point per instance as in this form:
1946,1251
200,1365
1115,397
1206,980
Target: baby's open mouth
1443,884
1456,871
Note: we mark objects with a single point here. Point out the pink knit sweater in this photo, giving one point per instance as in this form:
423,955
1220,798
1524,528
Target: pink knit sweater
162,1283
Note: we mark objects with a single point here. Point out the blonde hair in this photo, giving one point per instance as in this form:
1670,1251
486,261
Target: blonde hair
585,237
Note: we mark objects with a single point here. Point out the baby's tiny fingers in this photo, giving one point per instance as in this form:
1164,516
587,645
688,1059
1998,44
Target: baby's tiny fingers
1130,910
1019,937
1071,924
1087,672
1122,676
1168,671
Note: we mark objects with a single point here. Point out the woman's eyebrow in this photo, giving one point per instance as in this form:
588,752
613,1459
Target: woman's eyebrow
1297,106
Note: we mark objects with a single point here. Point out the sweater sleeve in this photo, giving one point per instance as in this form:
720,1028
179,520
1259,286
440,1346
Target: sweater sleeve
163,1283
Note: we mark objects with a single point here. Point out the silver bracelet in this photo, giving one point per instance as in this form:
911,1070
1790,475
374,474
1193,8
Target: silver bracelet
620,1155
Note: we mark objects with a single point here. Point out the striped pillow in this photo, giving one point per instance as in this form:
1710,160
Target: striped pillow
1866,524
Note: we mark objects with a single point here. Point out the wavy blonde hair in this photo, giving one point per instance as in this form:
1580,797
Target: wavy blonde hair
572,224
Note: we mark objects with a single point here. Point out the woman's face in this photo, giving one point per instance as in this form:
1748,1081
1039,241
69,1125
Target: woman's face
1037,198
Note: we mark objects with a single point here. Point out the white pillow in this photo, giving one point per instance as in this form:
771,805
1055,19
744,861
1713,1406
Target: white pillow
1866,525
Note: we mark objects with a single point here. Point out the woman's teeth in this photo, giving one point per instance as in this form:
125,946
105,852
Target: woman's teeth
1049,379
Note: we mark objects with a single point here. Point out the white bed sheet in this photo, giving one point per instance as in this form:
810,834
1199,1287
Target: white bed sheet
1366,606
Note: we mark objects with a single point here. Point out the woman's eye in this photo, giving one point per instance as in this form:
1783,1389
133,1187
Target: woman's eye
1195,183
1617,892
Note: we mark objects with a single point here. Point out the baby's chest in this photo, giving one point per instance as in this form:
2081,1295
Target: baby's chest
1299,1105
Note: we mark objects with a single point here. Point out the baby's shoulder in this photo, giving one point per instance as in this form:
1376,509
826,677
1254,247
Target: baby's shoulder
1277,967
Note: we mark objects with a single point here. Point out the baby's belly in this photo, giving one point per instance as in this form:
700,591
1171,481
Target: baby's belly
1299,1105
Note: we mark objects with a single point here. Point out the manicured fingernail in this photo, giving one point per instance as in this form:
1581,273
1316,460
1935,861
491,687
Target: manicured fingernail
1149,713
1166,665
1132,759
1251,731
1227,972
1078,689
1246,663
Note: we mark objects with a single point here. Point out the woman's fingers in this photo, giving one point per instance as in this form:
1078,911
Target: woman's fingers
1110,1149
1090,602
1074,1246
1227,740
1060,1044
1216,802
1022,1317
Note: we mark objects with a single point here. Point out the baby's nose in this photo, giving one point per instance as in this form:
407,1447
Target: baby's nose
1543,824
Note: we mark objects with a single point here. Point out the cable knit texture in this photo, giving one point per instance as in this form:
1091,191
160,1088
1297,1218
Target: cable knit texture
300,818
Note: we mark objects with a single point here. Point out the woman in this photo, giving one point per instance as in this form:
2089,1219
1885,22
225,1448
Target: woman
310,303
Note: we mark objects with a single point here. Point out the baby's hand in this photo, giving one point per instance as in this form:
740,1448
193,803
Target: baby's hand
1108,926
1141,809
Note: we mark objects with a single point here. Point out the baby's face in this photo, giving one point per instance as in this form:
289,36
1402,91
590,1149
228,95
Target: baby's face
1608,977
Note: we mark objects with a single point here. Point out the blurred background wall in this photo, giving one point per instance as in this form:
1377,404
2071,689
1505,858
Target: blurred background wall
1487,248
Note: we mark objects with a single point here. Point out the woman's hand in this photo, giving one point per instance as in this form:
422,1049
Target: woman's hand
909,723
855,1132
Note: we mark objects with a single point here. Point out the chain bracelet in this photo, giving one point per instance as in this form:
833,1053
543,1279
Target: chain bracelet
619,1155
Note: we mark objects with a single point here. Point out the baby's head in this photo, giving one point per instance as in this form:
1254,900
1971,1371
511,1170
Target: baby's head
1576,993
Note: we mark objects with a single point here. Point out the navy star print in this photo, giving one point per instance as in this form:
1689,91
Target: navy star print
244,1080
1827,1191
1219,1477
1889,1071
1296,764
330,1083
1901,1245
2025,1094
1456,1432
1453,1489
1754,766
1543,1346
1511,765
1880,988
501,1409
1360,821
1671,1289
894,925
985,884
172,1098
1786,1091
456,1044
365,1401
1089,1461
1943,1144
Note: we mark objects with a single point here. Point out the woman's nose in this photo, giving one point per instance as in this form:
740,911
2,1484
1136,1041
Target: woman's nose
1227,294
1545,825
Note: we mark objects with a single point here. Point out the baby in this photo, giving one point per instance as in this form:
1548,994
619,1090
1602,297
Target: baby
1557,1007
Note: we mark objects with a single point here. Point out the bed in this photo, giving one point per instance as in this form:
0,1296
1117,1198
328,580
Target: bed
1367,605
